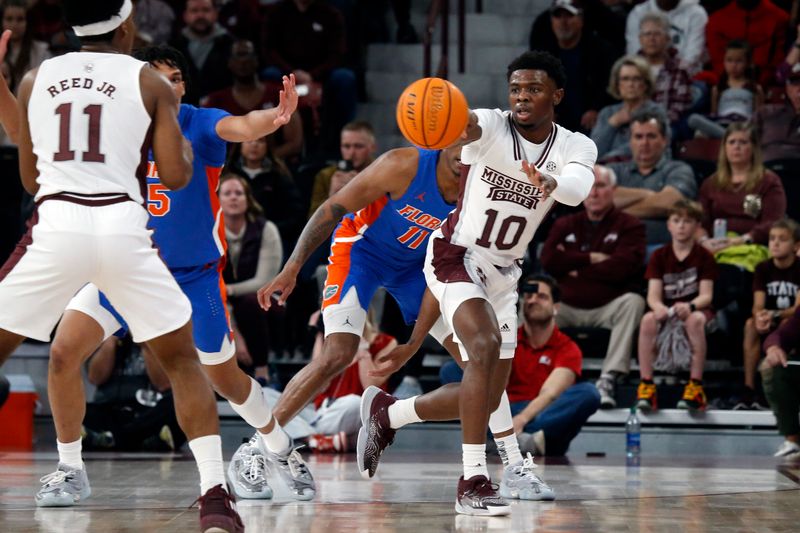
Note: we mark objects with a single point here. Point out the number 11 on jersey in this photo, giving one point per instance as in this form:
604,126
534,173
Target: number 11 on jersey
414,237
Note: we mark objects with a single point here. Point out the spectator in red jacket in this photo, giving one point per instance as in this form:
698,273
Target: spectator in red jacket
760,22
597,256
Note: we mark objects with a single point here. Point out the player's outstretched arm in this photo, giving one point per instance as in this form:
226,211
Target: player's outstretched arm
172,152
390,173
429,312
27,159
9,114
256,124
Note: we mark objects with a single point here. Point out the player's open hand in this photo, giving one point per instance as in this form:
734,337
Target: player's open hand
388,364
287,102
546,183
279,288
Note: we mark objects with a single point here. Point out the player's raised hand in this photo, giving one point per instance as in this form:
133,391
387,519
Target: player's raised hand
546,183
388,364
287,103
4,44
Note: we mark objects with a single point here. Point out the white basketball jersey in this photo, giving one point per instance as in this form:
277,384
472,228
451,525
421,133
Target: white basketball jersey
500,209
89,126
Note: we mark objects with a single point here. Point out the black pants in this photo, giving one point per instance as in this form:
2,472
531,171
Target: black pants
131,423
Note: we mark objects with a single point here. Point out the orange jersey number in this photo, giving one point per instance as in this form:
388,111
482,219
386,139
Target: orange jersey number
157,200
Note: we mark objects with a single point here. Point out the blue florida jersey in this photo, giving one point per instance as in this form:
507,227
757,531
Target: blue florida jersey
187,224
396,231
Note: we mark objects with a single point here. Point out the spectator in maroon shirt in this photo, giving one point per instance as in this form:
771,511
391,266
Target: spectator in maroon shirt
680,285
597,256
548,404
742,192
776,287
780,373
249,93
779,124
307,37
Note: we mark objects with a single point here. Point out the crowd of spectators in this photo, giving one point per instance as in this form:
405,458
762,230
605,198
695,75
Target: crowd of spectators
694,109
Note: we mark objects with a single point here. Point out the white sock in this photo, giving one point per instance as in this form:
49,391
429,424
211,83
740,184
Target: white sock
402,412
500,421
276,441
69,453
474,459
508,448
255,409
207,453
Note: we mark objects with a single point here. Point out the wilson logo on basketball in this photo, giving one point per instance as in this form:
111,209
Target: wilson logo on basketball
507,189
434,108
410,110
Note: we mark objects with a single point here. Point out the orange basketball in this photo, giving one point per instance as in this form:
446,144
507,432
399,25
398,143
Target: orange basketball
432,113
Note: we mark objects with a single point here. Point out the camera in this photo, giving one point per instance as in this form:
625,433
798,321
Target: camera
345,165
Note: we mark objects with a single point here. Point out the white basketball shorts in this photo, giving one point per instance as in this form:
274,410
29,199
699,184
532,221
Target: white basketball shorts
69,245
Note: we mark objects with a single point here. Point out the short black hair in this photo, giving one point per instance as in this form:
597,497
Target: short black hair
539,60
643,117
162,53
83,12
548,280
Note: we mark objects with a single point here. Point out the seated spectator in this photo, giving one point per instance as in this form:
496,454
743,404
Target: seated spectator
272,186
46,19
597,256
650,184
254,257
587,62
24,51
778,123
207,47
673,84
154,20
357,147
782,380
737,95
132,407
632,83
601,19
792,58
549,407
242,18
687,22
749,197
680,286
249,93
307,37
761,23
776,295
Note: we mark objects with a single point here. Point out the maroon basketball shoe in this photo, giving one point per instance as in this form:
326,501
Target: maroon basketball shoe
478,496
218,512
375,434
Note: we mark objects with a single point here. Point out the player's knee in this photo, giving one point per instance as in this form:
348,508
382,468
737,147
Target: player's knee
334,361
484,349
63,358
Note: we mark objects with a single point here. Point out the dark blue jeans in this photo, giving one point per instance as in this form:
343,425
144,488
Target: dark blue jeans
561,421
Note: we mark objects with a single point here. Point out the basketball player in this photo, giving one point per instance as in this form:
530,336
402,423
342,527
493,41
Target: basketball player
86,170
471,268
394,205
191,240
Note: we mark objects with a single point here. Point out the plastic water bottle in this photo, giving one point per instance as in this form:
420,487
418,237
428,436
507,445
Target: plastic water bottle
633,435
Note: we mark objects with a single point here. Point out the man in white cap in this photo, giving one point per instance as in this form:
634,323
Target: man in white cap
87,174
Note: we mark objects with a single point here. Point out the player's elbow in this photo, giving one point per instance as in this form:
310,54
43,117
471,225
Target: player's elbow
177,178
